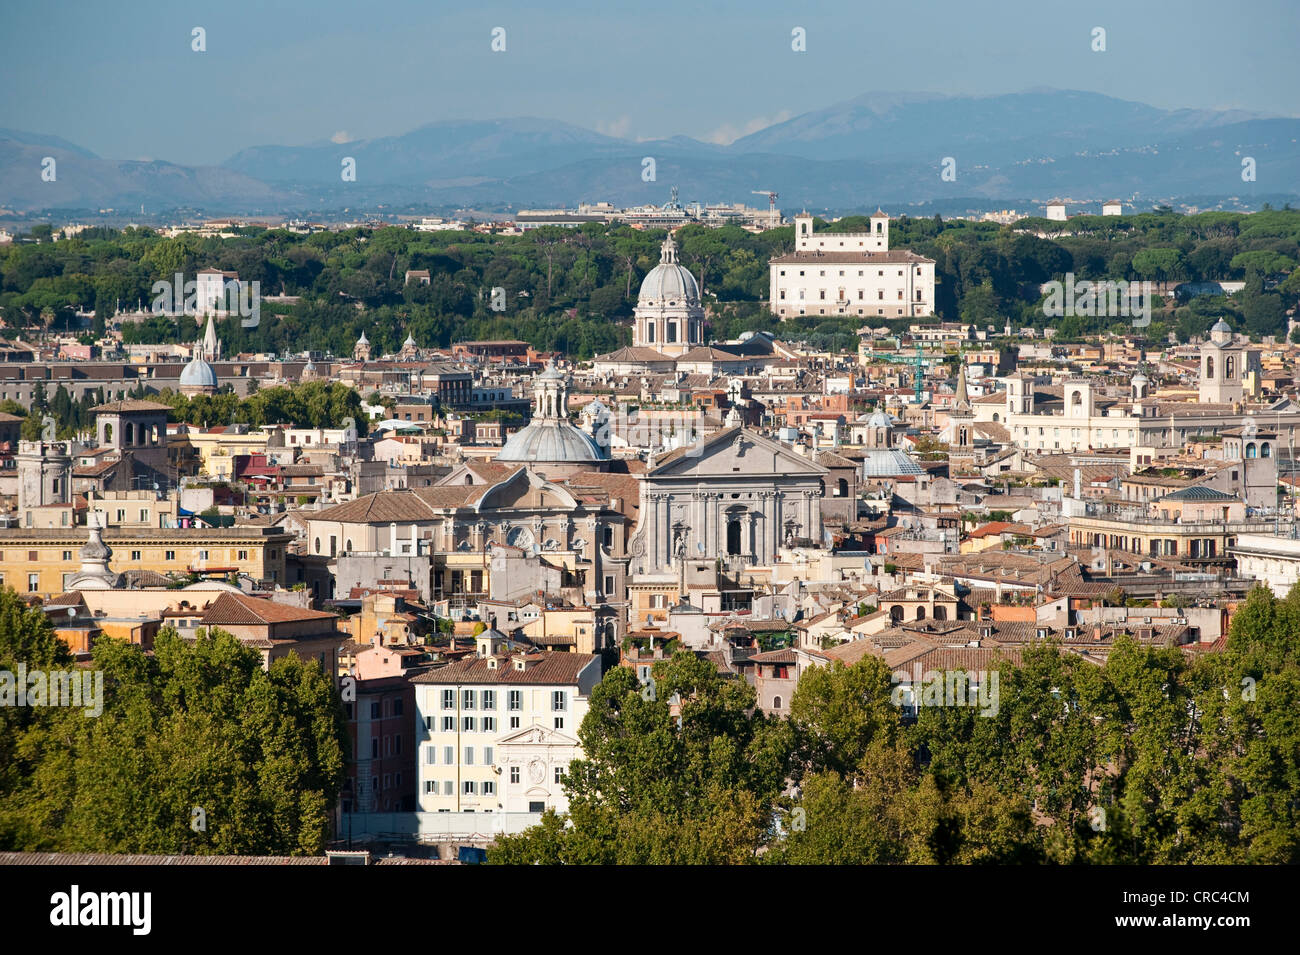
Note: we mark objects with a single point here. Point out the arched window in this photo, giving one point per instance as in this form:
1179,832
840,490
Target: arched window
1251,450
1229,367
1265,451
920,613
1076,399
844,487
318,545
776,702
469,479
896,614
129,433
1209,366
349,545
995,417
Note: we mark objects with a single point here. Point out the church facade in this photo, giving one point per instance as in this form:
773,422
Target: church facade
736,495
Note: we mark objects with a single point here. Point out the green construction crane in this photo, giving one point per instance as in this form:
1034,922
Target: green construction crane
917,376
917,361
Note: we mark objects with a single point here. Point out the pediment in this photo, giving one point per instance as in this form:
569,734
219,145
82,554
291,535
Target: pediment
526,489
536,735
738,451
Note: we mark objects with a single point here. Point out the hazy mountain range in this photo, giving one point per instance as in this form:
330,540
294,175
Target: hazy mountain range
881,148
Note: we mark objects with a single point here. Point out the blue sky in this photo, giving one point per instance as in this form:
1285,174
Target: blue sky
121,79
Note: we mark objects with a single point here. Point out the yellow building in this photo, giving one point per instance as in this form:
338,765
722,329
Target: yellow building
649,601
40,560
572,628
216,448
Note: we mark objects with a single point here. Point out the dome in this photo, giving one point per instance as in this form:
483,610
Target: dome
198,374
880,420
1221,326
669,281
551,442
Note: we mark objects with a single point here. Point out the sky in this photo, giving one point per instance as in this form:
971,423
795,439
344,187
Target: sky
122,79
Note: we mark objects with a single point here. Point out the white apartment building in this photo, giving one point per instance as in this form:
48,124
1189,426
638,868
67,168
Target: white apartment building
850,273
497,731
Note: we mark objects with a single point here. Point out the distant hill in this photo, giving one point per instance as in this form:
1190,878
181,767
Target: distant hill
84,181
880,148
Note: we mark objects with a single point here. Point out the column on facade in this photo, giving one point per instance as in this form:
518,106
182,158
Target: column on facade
768,548
655,533
774,509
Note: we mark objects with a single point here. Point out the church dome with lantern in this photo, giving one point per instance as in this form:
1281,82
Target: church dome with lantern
669,316
549,442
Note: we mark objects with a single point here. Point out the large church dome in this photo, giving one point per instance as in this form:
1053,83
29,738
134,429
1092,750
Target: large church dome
669,281
551,442
550,439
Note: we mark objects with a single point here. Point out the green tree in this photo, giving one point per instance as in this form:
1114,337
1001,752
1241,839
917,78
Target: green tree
197,726
654,788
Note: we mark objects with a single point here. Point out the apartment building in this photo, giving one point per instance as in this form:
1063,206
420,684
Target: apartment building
498,731
42,560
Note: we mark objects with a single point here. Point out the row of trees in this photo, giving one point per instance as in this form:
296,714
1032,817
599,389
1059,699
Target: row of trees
197,749
310,404
1155,757
563,287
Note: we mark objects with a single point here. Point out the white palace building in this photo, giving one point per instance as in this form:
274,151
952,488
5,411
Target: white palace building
850,273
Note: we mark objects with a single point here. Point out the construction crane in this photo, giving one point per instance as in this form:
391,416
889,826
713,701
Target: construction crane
916,360
771,199
917,378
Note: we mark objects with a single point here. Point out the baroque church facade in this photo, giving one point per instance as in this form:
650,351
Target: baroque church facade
736,495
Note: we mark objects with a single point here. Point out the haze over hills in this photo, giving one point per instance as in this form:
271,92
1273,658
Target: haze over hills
880,148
